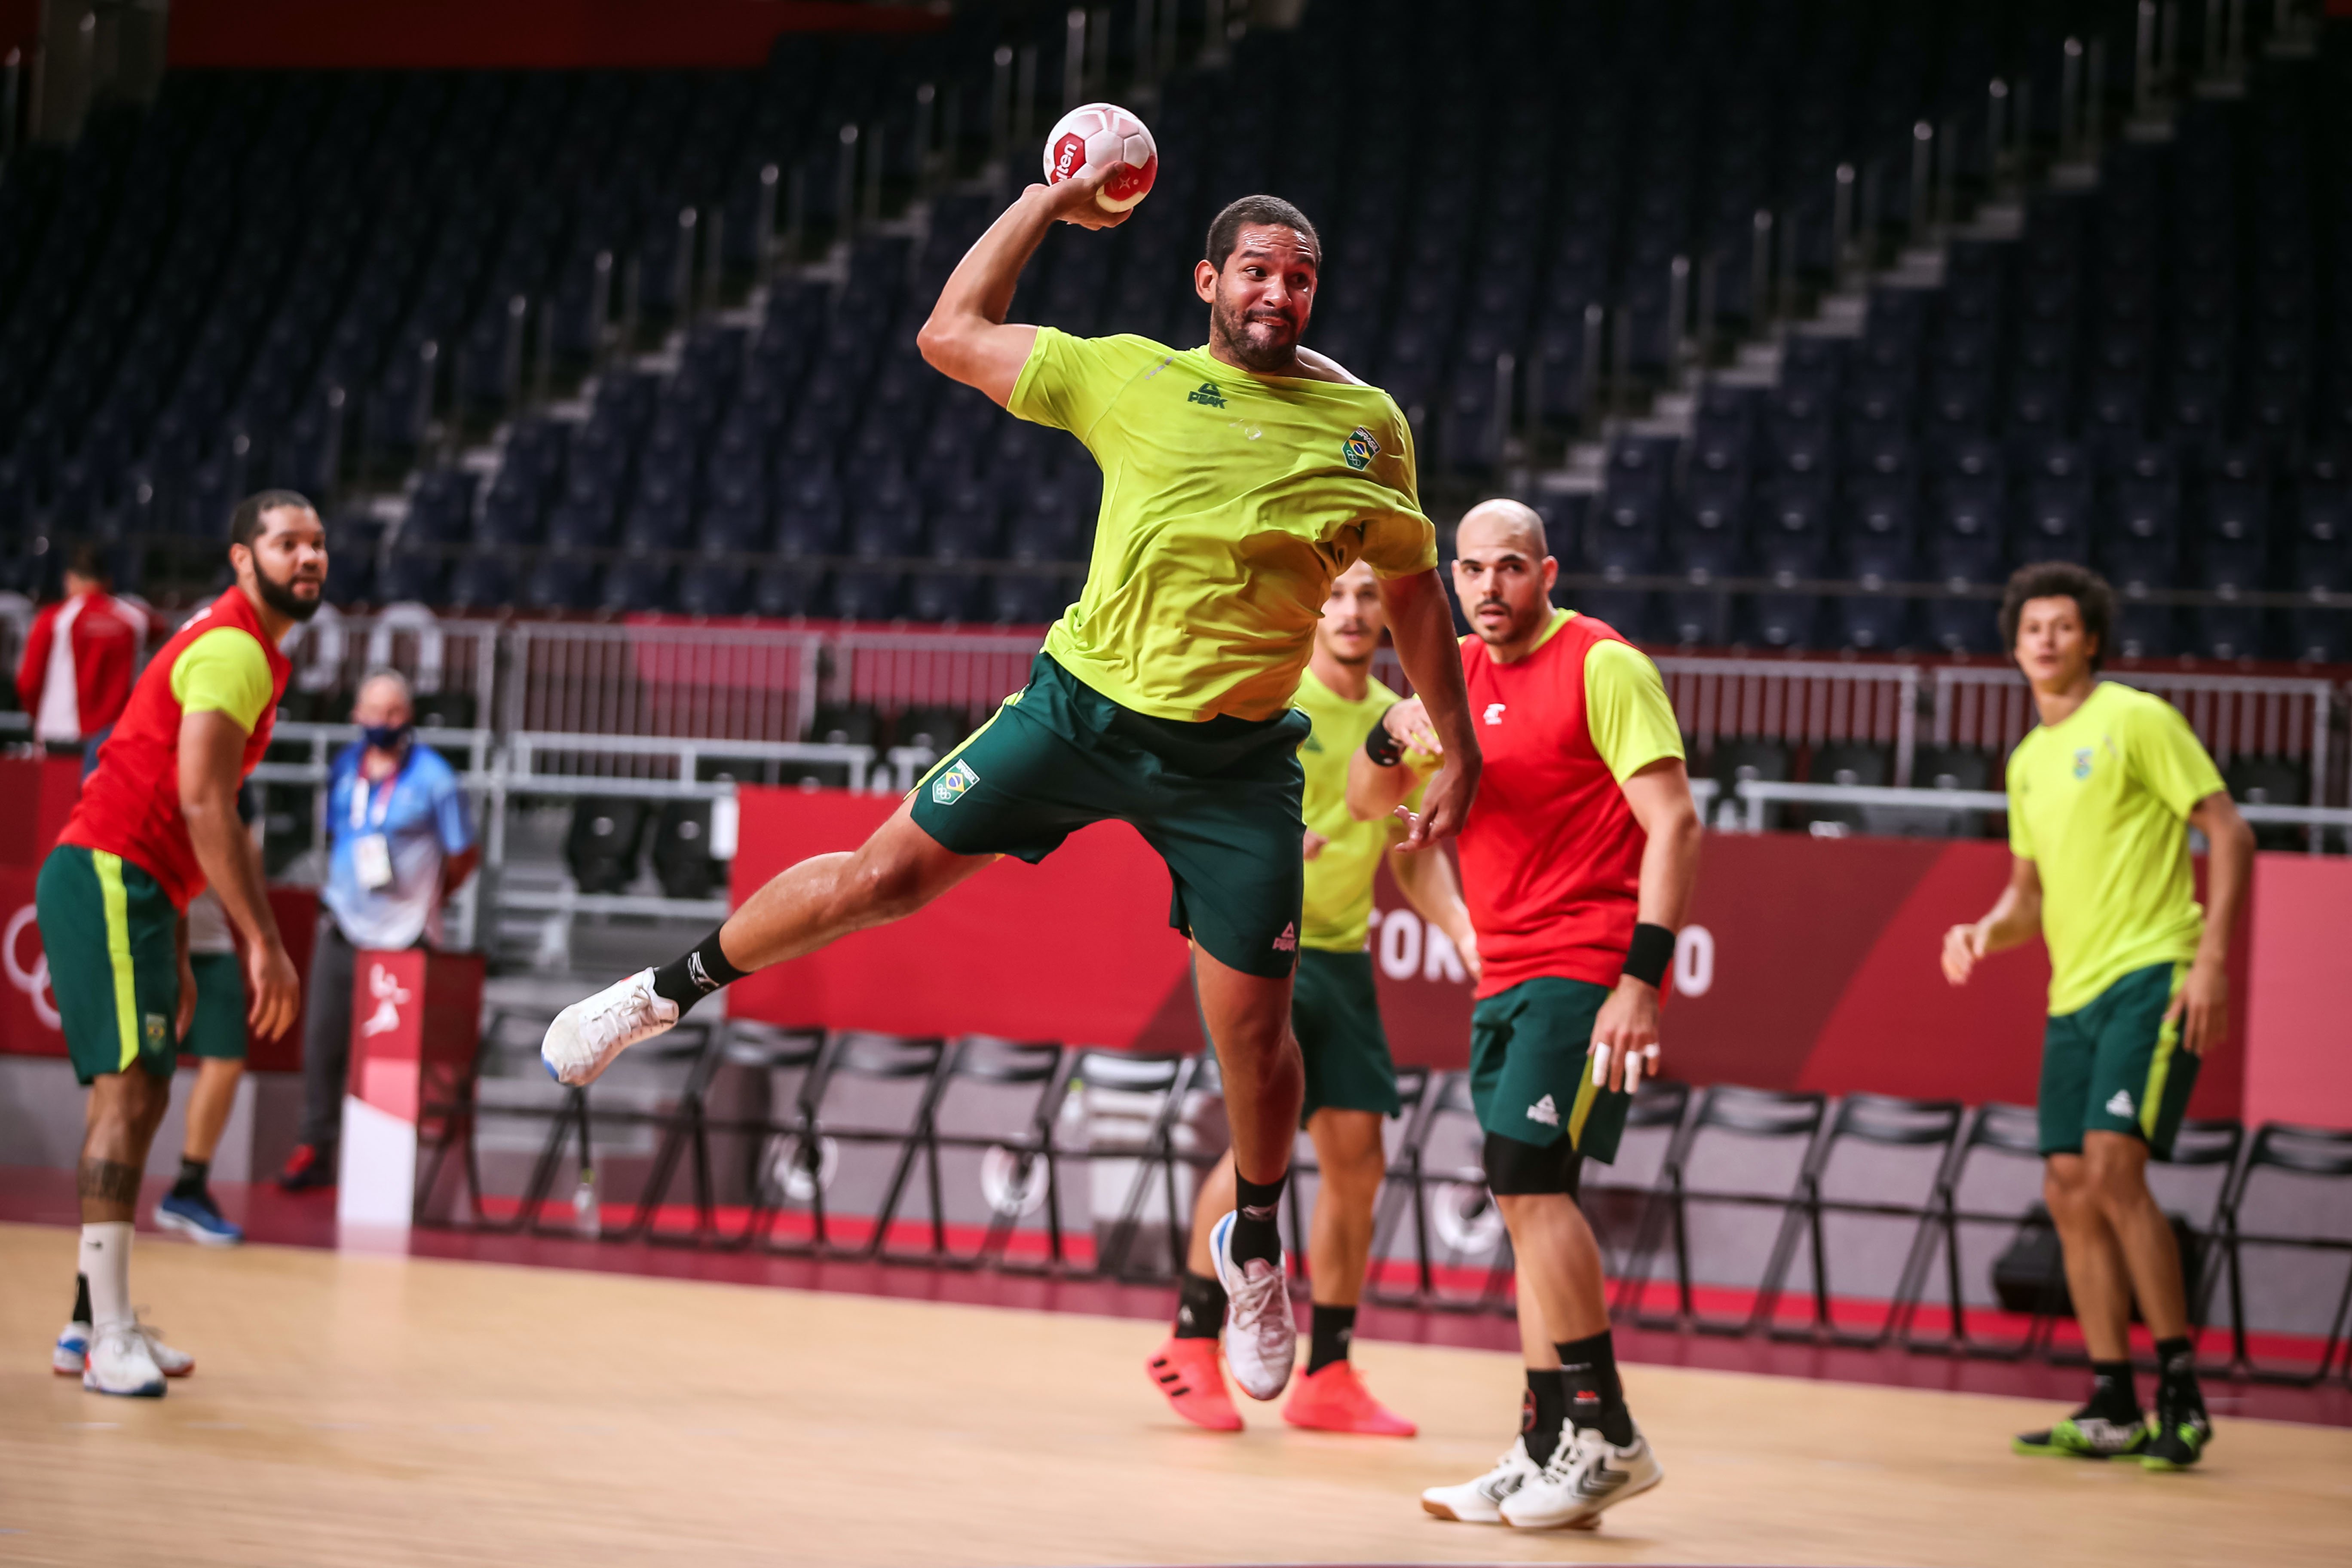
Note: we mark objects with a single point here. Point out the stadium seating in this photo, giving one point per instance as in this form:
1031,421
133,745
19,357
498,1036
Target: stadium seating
330,279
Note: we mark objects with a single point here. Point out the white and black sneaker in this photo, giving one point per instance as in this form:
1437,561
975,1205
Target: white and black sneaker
1481,1501
585,1037
1261,1337
1587,1474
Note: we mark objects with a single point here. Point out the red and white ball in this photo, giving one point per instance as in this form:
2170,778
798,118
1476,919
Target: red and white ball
1104,136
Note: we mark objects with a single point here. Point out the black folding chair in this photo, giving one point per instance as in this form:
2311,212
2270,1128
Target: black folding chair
2013,1131
1656,1115
688,1126
799,1156
2209,1145
1004,1064
1168,1081
1884,1122
1749,1113
1443,1190
2319,1154
693,1043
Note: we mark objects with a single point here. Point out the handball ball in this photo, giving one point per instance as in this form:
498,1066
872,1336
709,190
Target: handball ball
1103,136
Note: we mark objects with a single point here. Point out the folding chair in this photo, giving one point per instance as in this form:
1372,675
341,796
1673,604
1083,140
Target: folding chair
2316,1154
2011,1129
807,1154
1007,1065
1412,1083
1166,1080
1748,1113
689,1125
1655,1116
688,1046
1445,1190
1884,1122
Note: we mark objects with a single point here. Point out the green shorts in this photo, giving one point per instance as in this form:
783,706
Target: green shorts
111,937
218,1028
1219,801
2116,1066
1335,1011
1531,1067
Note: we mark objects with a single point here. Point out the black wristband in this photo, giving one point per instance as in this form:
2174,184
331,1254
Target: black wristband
1383,747
1651,954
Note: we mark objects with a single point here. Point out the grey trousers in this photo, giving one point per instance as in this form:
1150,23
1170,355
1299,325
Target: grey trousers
326,1035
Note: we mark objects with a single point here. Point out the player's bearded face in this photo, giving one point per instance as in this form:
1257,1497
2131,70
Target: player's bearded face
289,568
1263,299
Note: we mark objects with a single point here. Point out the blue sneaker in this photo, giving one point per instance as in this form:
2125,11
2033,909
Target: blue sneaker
198,1219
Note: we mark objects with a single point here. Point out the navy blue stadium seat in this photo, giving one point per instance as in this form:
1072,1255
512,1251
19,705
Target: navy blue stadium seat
783,592
1873,622
558,582
713,588
942,596
1024,598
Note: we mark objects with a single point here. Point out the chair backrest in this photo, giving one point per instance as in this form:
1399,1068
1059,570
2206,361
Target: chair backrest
770,1046
1893,1120
1658,1104
2307,1150
2011,1129
885,1055
1761,1112
994,1060
2207,1141
1137,1075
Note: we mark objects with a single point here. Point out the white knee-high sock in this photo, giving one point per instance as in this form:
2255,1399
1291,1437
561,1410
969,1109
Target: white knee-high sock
106,1264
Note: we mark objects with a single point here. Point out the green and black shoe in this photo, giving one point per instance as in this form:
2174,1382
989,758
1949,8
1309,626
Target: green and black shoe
2175,1439
2083,1435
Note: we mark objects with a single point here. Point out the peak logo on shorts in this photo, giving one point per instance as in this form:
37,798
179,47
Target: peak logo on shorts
1360,448
1288,941
1545,1112
948,787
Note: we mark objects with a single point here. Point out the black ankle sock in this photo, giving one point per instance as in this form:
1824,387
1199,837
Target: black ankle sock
2113,1398
2176,1374
1588,1370
1200,1307
1543,1411
191,1184
1334,1327
1256,1204
81,1299
696,973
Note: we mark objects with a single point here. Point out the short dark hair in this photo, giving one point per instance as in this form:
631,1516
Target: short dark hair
1225,231
89,562
2094,600
244,522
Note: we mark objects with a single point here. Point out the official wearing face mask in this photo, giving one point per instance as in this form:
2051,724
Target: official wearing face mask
401,843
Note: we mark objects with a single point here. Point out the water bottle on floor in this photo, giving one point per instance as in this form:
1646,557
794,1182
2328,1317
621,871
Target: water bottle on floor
585,1216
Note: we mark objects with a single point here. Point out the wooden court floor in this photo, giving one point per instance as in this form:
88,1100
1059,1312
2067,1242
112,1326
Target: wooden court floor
358,1410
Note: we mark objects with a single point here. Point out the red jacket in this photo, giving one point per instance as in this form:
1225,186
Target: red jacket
89,644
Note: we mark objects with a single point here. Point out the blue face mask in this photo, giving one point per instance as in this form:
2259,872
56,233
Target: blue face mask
386,737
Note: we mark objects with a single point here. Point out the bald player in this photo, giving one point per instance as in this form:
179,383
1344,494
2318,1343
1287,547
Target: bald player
1577,865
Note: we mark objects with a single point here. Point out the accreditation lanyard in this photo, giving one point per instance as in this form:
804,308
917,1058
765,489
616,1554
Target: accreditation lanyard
371,854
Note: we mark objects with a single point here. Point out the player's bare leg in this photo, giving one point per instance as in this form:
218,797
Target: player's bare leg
124,1110
1350,1160
1248,1016
805,906
189,1208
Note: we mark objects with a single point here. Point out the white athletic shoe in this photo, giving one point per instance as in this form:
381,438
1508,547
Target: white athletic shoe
1481,1501
586,1036
71,1352
1261,1339
1587,1474
120,1363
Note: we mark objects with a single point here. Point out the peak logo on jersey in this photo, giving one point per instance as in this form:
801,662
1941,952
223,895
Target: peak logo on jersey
1360,448
1207,394
1288,941
1545,1112
2083,763
1495,712
948,787
1310,744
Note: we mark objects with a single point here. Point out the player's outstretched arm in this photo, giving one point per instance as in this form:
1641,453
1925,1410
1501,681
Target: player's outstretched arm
1626,1028
967,338
2015,919
2202,1005
1420,620
212,765
1428,884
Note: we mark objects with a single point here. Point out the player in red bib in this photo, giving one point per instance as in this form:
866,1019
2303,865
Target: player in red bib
1577,863
156,823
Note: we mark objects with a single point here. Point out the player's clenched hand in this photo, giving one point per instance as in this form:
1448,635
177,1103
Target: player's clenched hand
1312,845
1963,945
2202,1007
1073,201
1408,725
1625,1034
277,989
1444,804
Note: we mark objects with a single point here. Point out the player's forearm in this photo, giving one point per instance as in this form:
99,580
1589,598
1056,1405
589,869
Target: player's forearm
2229,870
1374,791
229,864
1427,882
1669,865
2015,920
1423,628
979,292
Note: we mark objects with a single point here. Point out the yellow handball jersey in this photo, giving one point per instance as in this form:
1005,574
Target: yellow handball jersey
2098,803
1339,879
1230,501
